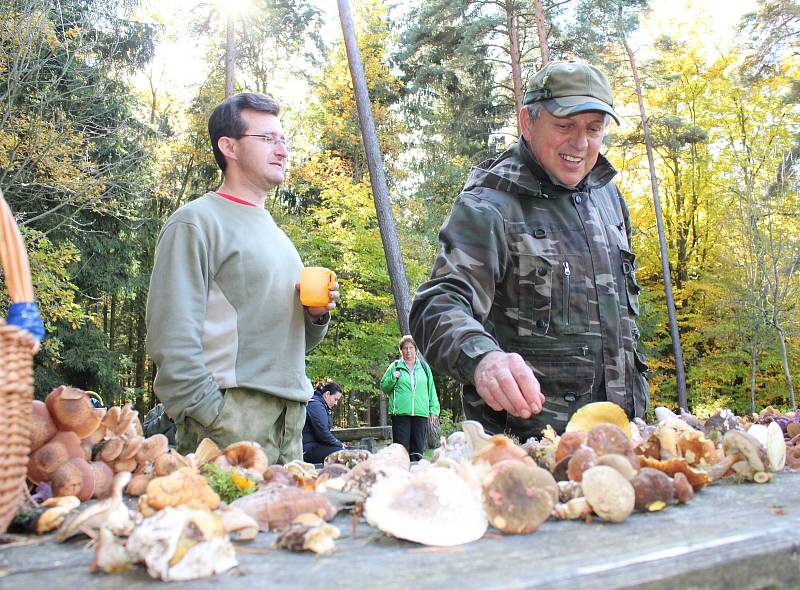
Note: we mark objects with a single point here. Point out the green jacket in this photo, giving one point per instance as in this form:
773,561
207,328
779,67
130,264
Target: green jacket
529,266
407,399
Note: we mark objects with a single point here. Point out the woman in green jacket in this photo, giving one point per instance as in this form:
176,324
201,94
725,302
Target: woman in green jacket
412,398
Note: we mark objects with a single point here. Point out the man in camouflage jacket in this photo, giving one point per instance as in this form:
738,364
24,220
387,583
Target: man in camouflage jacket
532,299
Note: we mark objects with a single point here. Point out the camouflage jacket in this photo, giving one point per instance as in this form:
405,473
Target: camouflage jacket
529,266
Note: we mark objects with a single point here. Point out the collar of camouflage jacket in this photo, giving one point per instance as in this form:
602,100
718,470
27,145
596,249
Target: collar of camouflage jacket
517,170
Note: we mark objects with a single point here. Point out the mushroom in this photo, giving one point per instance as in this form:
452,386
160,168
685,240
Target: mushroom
42,426
582,459
138,484
698,478
247,455
654,489
776,447
513,500
71,409
152,448
502,448
573,509
73,478
543,452
592,414
476,435
432,507
304,536
108,450
53,454
131,448
696,448
608,439
237,523
103,479
110,513
621,463
184,487
274,507
682,488
751,463
569,443
610,495
182,544
46,517
168,462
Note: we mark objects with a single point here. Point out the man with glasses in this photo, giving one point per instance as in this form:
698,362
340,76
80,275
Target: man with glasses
532,300
225,326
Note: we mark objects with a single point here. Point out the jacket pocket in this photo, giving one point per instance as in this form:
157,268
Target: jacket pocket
535,295
632,287
641,387
566,379
573,302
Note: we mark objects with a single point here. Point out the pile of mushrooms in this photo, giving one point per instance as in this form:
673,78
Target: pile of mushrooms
78,448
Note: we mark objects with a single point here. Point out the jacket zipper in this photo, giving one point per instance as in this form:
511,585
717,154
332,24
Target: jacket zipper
565,306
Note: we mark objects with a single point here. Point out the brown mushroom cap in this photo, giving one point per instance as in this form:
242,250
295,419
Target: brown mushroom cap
138,484
654,489
168,462
610,495
73,478
53,454
248,455
71,409
569,442
152,448
132,446
103,479
683,489
512,499
502,448
42,426
608,439
108,450
582,459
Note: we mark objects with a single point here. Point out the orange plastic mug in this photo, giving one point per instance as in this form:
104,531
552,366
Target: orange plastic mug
315,282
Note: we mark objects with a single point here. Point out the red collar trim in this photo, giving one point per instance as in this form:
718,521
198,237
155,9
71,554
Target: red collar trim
235,199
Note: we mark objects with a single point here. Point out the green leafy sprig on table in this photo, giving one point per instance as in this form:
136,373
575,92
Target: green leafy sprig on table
225,483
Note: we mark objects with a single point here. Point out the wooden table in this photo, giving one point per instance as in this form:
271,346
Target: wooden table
730,536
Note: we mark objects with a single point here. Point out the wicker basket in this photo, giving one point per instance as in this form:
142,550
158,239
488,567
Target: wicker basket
16,374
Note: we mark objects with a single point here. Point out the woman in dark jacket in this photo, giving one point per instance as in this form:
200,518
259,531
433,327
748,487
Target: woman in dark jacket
318,440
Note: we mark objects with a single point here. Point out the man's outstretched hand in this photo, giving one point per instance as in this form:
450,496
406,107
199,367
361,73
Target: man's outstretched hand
505,382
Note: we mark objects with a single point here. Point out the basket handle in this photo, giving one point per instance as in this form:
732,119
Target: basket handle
14,257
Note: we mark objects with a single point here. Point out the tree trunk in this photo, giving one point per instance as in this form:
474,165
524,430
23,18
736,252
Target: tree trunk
753,367
230,56
112,322
513,47
786,372
541,31
680,378
377,176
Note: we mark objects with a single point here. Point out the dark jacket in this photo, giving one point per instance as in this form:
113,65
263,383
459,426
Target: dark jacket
317,430
528,266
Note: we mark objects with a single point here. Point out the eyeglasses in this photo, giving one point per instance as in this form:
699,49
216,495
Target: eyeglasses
270,139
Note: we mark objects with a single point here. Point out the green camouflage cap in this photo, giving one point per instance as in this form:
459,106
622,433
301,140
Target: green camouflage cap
569,88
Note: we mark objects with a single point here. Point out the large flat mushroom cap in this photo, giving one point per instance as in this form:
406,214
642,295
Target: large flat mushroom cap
432,507
596,413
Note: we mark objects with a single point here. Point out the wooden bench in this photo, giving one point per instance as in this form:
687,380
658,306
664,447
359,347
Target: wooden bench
372,438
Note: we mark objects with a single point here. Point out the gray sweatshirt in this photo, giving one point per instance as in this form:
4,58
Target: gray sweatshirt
222,310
